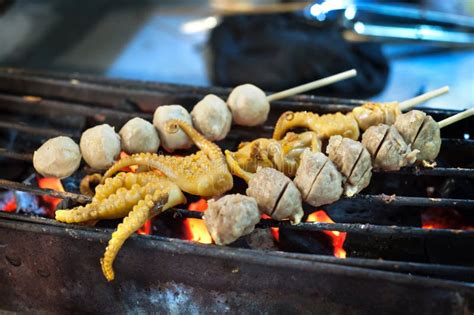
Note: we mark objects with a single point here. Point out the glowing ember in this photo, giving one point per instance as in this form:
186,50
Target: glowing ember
444,218
275,231
145,229
195,229
131,168
337,237
10,205
54,184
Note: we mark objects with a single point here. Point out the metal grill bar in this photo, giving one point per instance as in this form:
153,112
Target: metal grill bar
16,156
46,132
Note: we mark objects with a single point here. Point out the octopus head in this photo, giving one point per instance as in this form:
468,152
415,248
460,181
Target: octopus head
215,185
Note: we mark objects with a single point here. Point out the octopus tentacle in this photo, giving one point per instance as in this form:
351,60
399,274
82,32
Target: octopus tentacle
235,167
135,219
211,149
290,120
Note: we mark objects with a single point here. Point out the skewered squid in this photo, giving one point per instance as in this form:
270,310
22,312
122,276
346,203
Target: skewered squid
283,155
139,196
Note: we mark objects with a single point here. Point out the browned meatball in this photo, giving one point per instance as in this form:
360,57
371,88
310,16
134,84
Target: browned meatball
318,179
422,132
231,217
388,149
276,195
353,161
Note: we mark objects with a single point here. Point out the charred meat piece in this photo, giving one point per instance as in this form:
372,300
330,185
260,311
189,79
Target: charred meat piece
422,132
318,179
353,161
276,195
231,217
388,149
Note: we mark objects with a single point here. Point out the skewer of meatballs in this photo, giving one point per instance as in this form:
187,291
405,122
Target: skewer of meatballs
322,179
100,146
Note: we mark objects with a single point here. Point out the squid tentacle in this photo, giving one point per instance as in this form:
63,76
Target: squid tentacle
135,219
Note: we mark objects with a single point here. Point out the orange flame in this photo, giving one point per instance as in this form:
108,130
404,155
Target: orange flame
443,218
274,230
10,205
338,238
195,229
54,184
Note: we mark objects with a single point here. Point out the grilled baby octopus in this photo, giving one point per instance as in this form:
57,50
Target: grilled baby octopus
140,196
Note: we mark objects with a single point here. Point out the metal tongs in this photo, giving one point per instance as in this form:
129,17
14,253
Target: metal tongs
393,23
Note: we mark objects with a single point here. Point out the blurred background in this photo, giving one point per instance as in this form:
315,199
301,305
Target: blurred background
400,49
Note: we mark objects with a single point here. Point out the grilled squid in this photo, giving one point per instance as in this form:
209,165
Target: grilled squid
139,135
100,146
249,105
58,157
231,217
171,140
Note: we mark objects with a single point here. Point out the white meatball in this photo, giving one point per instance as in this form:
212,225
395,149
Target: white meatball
212,117
58,157
172,140
231,217
100,146
249,105
139,135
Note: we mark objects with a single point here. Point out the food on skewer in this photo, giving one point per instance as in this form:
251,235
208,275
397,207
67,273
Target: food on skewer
212,118
318,179
172,141
348,125
422,132
250,106
353,161
100,146
231,217
139,135
140,196
283,155
388,149
58,157
276,195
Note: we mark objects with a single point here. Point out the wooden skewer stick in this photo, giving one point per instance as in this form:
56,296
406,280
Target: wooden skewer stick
455,118
412,102
312,85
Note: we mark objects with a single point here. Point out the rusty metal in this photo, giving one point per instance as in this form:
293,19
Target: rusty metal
156,274
7,184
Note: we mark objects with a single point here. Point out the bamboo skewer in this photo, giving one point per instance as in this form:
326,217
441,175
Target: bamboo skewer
455,118
412,102
312,85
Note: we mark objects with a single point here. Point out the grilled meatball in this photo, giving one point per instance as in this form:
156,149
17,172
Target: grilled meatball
422,132
212,117
249,105
139,135
100,146
231,217
353,161
276,195
318,180
176,139
58,157
388,149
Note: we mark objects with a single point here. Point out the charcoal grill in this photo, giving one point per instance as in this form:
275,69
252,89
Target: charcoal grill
53,267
